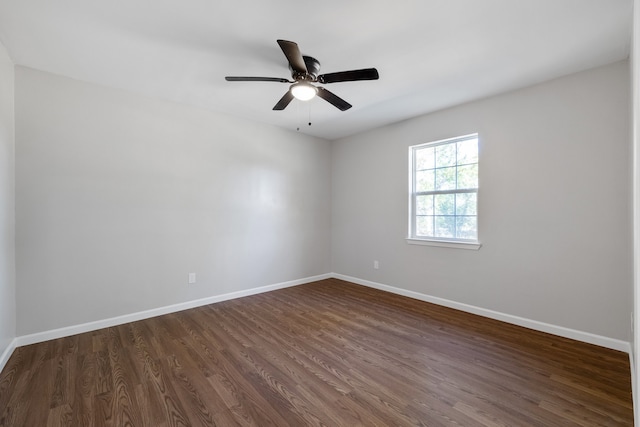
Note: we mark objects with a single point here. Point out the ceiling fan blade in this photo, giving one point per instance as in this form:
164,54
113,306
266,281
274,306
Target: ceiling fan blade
333,99
292,52
284,101
256,79
349,76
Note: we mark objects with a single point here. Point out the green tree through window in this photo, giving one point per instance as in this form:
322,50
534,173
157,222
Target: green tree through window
444,190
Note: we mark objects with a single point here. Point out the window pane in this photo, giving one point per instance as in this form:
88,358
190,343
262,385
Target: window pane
424,205
466,204
424,226
468,151
445,155
425,158
468,176
445,189
445,226
446,179
466,227
444,204
425,180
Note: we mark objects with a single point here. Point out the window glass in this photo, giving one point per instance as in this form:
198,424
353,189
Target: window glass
444,190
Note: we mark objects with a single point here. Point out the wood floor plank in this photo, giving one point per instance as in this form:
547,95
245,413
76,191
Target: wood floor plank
125,405
196,411
151,408
60,416
328,353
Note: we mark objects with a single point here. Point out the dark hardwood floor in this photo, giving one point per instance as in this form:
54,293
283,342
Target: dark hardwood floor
329,353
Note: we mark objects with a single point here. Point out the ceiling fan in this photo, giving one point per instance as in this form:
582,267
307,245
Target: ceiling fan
304,71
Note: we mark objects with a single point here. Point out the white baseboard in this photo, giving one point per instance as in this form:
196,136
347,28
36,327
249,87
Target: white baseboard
6,354
587,337
119,320
508,318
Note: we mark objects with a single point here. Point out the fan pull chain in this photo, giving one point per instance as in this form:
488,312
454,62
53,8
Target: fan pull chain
309,113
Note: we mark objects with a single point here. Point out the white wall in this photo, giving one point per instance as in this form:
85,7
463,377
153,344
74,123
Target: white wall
7,206
119,197
554,207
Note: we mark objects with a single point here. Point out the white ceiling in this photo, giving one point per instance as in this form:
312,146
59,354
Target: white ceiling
431,54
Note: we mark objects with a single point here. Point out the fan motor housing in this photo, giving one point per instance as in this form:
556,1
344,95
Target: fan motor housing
313,69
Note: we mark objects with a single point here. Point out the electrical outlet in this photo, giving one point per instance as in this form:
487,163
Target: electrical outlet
192,278
376,264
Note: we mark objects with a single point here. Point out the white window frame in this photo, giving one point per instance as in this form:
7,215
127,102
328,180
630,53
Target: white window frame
434,241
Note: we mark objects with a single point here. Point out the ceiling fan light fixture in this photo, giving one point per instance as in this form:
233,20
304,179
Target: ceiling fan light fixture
303,91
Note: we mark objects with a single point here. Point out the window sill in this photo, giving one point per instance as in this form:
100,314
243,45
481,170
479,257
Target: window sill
474,246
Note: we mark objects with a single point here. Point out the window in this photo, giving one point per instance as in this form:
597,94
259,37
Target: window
444,193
